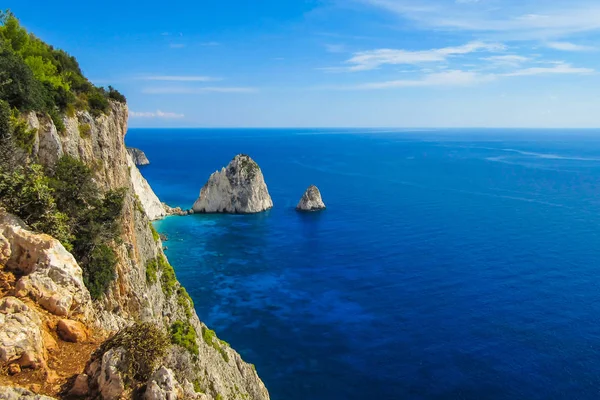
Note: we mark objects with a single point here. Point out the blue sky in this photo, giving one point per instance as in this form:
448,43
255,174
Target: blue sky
336,63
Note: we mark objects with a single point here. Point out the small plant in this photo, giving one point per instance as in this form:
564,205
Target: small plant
58,121
155,234
85,131
185,301
145,345
183,334
22,135
151,270
168,279
210,338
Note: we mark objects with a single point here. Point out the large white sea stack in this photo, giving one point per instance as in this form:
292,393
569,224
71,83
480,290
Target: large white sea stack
239,188
311,200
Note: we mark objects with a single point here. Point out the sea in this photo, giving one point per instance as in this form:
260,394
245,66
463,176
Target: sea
449,264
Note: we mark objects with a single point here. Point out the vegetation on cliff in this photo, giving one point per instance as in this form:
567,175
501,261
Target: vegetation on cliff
35,76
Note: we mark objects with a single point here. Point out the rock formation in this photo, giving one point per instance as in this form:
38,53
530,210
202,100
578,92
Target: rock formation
44,300
311,200
239,188
138,156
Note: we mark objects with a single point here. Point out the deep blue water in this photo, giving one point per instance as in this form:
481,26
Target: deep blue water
449,264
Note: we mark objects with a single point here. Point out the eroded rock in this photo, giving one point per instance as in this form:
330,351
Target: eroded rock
311,200
239,188
71,331
20,334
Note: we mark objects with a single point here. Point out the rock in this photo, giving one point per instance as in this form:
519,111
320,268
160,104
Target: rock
71,331
146,196
20,335
14,369
111,383
5,251
311,200
239,188
162,385
176,211
138,156
51,276
16,393
80,386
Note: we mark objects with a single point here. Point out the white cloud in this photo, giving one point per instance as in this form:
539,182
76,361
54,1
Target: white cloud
509,60
178,78
155,114
195,90
560,68
514,19
567,46
372,59
447,78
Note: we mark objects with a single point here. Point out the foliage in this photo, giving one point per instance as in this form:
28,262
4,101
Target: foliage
85,131
21,134
155,234
145,345
168,279
210,338
151,270
25,192
99,270
183,334
57,120
36,76
185,301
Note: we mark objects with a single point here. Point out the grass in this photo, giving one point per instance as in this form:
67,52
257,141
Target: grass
210,338
85,131
155,234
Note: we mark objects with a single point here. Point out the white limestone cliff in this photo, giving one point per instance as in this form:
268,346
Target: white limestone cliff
239,188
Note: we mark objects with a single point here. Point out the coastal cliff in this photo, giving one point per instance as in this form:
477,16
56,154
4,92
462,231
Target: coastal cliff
42,282
239,188
138,156
89,305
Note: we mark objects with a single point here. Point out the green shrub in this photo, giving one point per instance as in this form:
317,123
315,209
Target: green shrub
57,120
115,95
185,301
155,234
21,134
151,270
210,338
99,271
183,334
98,103
168,279
85,131
145,346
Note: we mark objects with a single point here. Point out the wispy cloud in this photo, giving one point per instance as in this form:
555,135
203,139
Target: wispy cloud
197,90
517,18
155,114
508,60
178,78
567,46
372,59
560,68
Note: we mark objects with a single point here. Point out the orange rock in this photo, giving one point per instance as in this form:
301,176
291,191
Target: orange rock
71,331
49,342
14,369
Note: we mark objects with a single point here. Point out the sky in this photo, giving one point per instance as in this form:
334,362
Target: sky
336,63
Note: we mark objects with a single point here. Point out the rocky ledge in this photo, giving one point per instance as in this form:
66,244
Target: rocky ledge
311,200
138,156
239,188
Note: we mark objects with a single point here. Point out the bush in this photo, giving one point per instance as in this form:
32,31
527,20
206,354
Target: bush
183,334
115,95
85,131
99,270
57,120
151,270
21,134
145,345
185,301
168,279
155,234
26,193
98,103
210,338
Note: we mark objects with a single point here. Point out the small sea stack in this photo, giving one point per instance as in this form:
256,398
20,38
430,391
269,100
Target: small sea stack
311,200
138,156
239,188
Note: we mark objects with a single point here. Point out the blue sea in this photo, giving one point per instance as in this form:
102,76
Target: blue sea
449,264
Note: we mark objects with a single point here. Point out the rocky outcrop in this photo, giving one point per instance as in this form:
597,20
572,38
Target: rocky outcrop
138,156
20,334
148,200
53,278
177,211
16,393
239,188
49,273
311,200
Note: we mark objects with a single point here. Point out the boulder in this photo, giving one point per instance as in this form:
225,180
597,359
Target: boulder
162,385
311,200
50,274
16,393
138,156
80,387
20,334
111,382
239,188
71,331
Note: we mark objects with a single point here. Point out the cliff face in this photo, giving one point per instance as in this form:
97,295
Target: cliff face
145,288
138,156
238,188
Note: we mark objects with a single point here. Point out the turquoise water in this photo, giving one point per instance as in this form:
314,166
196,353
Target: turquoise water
449,264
